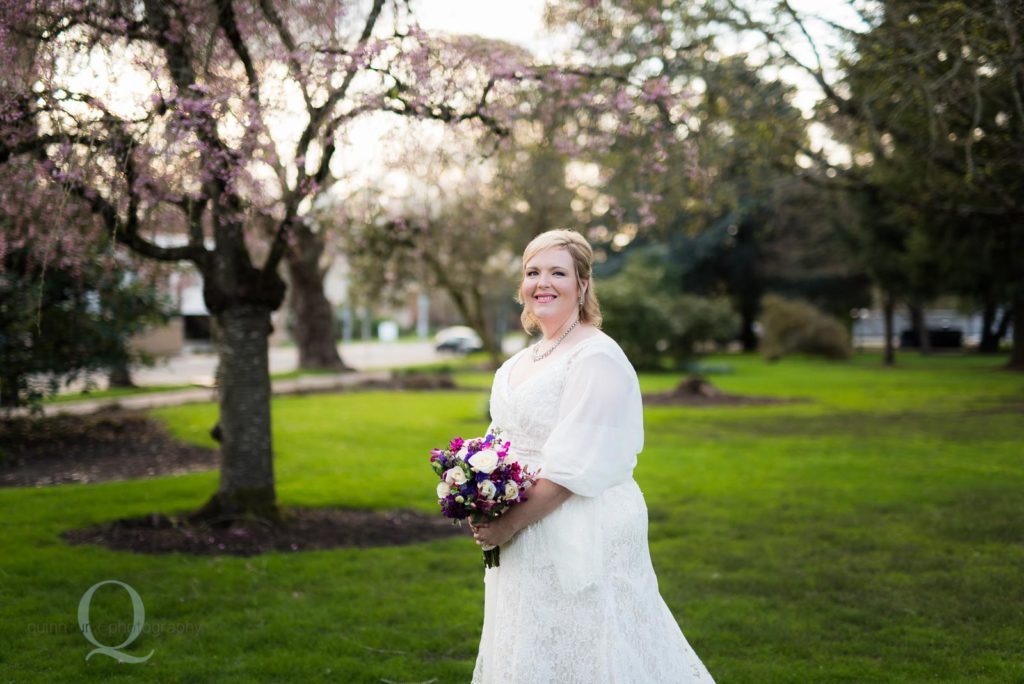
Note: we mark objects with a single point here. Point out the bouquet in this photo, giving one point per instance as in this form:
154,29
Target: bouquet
479,482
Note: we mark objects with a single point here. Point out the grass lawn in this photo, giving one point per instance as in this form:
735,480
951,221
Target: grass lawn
872,534
112,393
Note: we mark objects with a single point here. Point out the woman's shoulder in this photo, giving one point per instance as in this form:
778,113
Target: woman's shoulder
599,357
599,343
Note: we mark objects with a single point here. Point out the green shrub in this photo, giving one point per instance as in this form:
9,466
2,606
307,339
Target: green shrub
791,326
635,312
653,325
700,319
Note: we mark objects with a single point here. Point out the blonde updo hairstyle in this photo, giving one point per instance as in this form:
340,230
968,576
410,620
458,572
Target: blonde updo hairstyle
582,258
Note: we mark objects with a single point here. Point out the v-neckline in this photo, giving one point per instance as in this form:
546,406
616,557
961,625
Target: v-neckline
508,373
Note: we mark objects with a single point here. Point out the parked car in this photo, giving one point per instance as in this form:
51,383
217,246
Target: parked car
460,339
938,338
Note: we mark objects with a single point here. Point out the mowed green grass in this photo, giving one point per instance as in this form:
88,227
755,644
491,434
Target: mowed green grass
871,533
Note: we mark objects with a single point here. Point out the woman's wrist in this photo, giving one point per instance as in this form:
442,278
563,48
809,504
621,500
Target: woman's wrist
509,520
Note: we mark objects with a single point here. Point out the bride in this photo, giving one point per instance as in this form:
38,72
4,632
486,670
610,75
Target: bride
575,597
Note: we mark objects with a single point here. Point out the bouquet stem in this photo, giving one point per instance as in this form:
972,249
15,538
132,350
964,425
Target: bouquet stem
492,556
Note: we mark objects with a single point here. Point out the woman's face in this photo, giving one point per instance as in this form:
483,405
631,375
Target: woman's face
549,289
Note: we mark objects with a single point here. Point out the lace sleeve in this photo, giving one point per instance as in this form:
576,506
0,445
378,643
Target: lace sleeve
600,423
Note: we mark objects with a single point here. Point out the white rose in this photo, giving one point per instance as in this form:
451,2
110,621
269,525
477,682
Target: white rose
461,454
455,476
511,490
484,461
487,489
443,490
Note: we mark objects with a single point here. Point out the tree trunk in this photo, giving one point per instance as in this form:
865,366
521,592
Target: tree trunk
9,391
490,341
989,343
748,317
247,468
1017,353
888,312
744,273
120,375
1003,327
314,316
472,310
475,314
920,329
483,328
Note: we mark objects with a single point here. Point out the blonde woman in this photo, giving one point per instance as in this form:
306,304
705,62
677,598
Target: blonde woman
575,598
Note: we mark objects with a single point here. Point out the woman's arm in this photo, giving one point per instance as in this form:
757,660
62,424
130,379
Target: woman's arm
544,497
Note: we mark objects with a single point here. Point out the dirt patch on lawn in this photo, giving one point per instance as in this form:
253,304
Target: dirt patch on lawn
301,530
102,447
696,391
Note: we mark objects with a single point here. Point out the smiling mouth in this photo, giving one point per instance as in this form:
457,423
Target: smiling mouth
544,297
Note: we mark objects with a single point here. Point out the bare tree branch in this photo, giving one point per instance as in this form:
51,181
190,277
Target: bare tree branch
119,229
294,68
227,22
293,197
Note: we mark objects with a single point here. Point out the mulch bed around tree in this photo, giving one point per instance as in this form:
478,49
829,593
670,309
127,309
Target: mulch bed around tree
121,445
306,529
697,391
102,447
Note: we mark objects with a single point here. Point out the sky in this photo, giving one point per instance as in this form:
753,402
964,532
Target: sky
517,21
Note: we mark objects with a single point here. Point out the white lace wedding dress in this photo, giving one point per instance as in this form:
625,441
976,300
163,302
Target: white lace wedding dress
575,598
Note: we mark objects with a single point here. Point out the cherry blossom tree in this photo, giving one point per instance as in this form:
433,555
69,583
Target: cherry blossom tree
201,131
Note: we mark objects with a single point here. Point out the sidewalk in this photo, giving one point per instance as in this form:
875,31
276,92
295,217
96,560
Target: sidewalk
303,385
